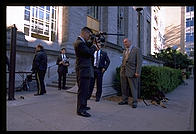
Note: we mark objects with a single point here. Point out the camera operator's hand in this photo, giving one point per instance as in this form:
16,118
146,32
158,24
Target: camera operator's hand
96,47
61,62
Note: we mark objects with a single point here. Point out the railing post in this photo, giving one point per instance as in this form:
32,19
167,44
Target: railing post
12,64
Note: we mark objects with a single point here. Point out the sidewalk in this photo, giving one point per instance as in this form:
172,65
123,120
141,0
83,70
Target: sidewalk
56,111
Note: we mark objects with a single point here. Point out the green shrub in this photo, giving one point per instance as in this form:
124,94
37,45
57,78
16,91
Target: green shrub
154,78
159,78
116,82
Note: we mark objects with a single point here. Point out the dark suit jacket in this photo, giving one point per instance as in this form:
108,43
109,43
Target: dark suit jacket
84,55
61,67
104,60
39,61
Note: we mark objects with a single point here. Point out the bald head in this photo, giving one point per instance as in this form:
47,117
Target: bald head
127,43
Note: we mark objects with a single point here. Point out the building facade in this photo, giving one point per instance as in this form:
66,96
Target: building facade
174,33
189,31
59,26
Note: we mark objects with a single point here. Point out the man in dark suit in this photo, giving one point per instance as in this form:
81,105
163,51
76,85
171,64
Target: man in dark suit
39,67
101,63
84,69
63,63
130,72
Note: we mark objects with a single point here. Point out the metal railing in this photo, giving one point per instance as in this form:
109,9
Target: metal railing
20,79
49,67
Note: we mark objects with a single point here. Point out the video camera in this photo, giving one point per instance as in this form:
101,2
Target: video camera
99,37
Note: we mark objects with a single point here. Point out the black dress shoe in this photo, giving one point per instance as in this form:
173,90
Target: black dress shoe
123,103
97,100
65,88
134,105
38,94
87,108
84,114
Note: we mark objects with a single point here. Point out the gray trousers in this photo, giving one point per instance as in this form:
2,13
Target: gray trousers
129,83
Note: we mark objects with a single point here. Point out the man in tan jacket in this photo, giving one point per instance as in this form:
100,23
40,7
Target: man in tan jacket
130,72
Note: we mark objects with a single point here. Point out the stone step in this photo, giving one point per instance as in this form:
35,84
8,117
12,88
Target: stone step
56,85
67,82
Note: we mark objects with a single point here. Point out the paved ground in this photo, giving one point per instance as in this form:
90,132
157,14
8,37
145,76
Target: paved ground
56,111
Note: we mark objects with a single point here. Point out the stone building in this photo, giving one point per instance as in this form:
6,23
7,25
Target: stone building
59,26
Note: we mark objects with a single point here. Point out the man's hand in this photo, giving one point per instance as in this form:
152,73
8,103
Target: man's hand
103,70
61,62
137,75
96,47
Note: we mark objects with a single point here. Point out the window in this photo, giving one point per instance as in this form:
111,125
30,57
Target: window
93,11
43,22
27,13
41,15
189,8
26,30
189,22
187,38
48,8
47,17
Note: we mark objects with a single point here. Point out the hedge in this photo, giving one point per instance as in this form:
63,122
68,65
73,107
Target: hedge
154,78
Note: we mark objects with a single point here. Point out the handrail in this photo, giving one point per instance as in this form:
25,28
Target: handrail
21,72
49,69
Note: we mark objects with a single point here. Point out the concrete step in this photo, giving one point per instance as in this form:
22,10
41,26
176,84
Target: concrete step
70,81
67,82
56,85
72,77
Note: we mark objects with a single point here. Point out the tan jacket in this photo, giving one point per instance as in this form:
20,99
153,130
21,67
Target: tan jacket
133,63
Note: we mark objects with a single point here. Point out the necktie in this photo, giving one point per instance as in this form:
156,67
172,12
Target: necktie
126,53
97,58
126,56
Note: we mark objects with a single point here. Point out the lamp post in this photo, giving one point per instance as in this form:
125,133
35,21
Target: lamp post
138,9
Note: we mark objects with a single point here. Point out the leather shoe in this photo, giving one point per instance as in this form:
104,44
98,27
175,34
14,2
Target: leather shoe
64,88
123,103
38,94
84,114
134,105
97,100
87,108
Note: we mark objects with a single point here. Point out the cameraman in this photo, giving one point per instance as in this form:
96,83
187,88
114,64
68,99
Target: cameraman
63,63
84,70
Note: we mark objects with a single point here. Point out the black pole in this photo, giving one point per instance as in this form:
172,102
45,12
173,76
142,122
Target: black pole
138,12
12,63
139,46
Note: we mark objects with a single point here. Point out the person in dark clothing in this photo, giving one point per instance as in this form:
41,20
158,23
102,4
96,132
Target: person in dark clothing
63,63
100,63
39,67
84,69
